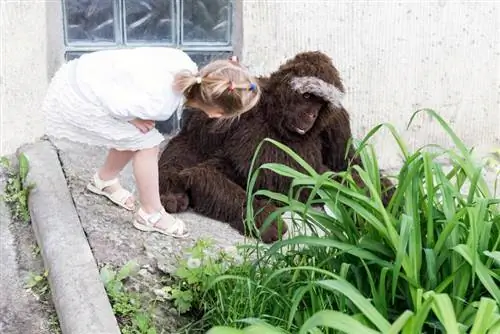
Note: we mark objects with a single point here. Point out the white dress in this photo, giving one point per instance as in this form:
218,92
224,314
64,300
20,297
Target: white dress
92,98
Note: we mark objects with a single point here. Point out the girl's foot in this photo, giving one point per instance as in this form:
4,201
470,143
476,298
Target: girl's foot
160,222
113,191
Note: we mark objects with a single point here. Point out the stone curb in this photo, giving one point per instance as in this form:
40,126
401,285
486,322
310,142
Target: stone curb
79,296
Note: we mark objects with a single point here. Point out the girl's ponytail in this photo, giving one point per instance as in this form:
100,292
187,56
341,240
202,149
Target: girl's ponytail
185,80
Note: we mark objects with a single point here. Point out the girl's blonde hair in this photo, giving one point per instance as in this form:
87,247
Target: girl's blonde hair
222,83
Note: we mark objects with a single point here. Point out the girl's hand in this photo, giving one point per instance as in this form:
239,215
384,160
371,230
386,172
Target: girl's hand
143,125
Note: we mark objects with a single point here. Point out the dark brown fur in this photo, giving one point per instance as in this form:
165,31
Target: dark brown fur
207,164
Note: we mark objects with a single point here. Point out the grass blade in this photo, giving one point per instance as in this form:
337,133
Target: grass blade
481,271
336,320
400,322
369,311
485,316
443,309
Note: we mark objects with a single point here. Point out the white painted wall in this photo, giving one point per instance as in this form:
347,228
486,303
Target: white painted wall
27,29
395,57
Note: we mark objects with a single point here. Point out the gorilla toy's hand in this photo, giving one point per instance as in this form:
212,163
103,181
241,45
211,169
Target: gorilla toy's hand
175,202
276,229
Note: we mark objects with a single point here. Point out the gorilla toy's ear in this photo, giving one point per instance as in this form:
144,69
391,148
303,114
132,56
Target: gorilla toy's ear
318,87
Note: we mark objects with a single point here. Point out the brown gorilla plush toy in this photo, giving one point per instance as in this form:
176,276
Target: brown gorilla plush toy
206,166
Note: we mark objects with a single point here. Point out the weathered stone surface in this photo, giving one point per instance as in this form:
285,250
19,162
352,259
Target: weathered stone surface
115,241
77,292
109,228
20,311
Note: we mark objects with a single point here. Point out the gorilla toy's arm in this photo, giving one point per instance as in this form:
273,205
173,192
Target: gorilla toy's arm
215,195
177,156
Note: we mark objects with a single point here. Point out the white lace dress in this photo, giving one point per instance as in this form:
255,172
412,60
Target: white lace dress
92,98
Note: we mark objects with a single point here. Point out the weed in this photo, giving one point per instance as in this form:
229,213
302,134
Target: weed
55,327
128,309
195,272
16,190
38,285
35,250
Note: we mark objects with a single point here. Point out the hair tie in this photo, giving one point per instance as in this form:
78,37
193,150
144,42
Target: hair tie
231,86
233,59
252,87
198,80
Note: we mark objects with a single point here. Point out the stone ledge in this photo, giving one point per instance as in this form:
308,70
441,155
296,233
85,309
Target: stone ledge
79,296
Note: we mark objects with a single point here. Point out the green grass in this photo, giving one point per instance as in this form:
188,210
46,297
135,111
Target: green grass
133,317
17,188
429,262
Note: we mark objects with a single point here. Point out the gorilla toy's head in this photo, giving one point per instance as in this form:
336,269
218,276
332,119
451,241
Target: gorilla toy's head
303,91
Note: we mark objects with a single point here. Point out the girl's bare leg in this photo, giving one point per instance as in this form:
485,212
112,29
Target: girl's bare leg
113,165
145,164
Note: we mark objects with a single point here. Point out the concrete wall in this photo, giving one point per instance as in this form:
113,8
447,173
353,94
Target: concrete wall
395,57
30,50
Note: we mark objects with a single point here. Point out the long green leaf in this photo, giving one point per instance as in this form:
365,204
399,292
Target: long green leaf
311,241
429,183
443,309
361,302
485,316
224,330
481,271
430,260
336,320
400,322
404,238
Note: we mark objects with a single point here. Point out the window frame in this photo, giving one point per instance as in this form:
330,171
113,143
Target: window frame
233,46
121,40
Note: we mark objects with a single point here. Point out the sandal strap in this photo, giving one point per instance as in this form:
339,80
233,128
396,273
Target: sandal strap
121,195
101,184
153,219
178,224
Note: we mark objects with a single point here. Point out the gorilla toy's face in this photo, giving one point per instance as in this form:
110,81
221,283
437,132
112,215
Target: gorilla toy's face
301,91
303,113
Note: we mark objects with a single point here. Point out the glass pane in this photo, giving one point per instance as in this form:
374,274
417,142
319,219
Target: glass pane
70,55
149,20
202,58
206,21
89,20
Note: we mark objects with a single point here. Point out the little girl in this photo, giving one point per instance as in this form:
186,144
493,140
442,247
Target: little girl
112,98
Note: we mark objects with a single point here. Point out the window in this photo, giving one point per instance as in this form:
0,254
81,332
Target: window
203,28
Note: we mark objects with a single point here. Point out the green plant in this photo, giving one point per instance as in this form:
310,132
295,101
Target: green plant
38,284
492,162
131,316
35,250
17,190
55,327
201,264
426,263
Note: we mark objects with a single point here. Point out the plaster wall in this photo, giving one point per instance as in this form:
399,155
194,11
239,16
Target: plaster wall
395,57
30,51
